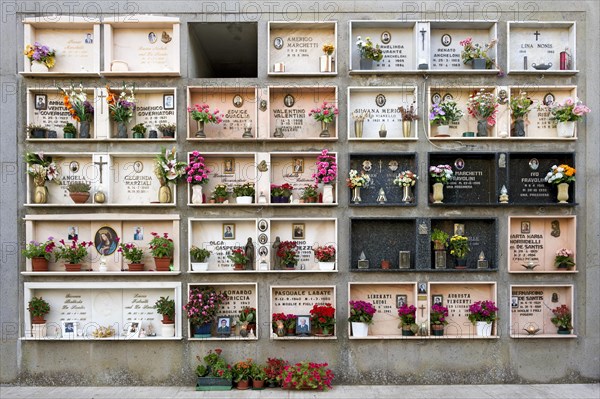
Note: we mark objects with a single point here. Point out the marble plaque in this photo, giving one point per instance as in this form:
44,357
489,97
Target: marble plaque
446,48
539,46
532,306
383,106
385,299
398,53
143,49
300,300
300,48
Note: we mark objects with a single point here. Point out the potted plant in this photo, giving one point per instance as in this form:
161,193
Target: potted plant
309,194
326,173
325,255
220,193
290,324
482,314
162,248
565,115
167,130
241,373
133,254
74,253
441,174
307,375
407,315
81,110
79,192
520,106
168,170
199,257
561,176
355,182
477,54
368,52
197,174
439,239
41,169
138,131
459,248
273,370
166,308
564,259
443,114
244,193
258,375
483,106
409,114
239,258
361,315
438,315
36,131
278,321
41,57
202,114
39,253
288,254
406,179
325,114
201,309
121,107
281,193
322,318
562,319
69,130
215,374
248,318
38,308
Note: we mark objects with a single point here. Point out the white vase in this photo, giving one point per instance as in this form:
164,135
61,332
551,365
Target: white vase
327,194
199,266
443,130
196,194
565,129
37,66
360,329
563,193
244,199
38,331
326,265
484,329
438,193
167,330
325,63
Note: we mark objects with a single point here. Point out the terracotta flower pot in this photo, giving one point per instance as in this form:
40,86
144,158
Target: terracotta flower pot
243,384
167,320
162,264
37,320
73,267
79,198
136,267
258,384
39,264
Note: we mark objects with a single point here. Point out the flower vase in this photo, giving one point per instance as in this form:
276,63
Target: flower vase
200,133
38,66
407,196
327,266
196,194
565,129
40,194
563,193
438,193
327,194
325,63
483,329
358,129
356,195
482,128
518,128
443,130
366,64
360,330
202,330
84,130
406,127
324,129
479,63
164,194
121,130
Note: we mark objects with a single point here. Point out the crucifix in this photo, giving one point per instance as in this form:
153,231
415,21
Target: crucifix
100,165
537,34
380,165
423,31
422,307
102,96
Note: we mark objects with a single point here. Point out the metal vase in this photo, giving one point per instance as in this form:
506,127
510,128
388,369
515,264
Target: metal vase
324,129
356,195
406,127
200,132
407,196
482,128
358,129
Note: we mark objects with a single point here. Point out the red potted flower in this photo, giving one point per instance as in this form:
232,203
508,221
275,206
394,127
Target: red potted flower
39,253
162,248
322,318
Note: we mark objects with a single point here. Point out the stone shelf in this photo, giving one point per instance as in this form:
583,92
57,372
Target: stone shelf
124,273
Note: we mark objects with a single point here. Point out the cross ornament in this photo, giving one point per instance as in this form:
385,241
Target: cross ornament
100,165
422,307
423,31
102,96
537,34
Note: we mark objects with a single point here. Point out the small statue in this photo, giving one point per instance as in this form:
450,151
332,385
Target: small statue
261,198
250,254
503,195
381,198
275,260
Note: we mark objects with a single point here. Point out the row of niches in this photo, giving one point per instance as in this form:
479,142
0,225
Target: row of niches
397,310
150,45
535,244
289,179
304,113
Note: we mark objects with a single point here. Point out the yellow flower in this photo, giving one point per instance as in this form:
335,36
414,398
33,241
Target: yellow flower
50,62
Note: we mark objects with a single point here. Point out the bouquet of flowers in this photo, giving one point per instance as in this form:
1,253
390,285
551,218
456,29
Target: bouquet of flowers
122,106
325,113
326,168
367,50
39,249
288,253
483,311
562,317
445,113
220,191
407,314
41,53
323,317
328,48
202,113
569,111
358,180
406,178
564,257
471,51
196,171
238,256
131,252
73,253
167,168
459,246
438,314
203,305
325,253
483,105
361,312
76,102
520,105
560,174
441,173
41,169
409,114
161,246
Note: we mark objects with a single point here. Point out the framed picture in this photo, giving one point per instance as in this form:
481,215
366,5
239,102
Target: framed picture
263,225
548,99
73,233
41,102
263,251
229,231
298,165
138,166
459,229
514,302
422,288
152,37
138,233
169,101
263,238
69,329
436,98
446,40
105,240
238,101
437,299
386,37
278,43
229,166
298,231
224,326
459,163
289,100
525,227
302,325
380,100
401,300
134,328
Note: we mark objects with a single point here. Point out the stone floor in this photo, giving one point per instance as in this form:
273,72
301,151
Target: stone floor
541,391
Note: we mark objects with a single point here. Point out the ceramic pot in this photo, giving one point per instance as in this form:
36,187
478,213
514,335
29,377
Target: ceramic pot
258,384
563,331
199,266
239,266
565,129
162,264
443,130
39,264
79,198
38,133
202,330
360,329
164,195
38,320
136,267
40,194
483,329
326,265
563,193
138,135
243,384
327,194
461,263
196,194
244,199
73,267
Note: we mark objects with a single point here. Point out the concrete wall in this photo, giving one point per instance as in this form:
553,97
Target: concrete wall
385,362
